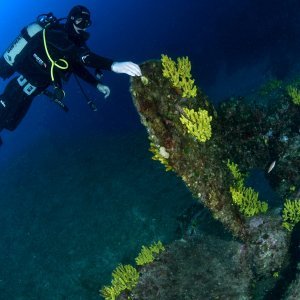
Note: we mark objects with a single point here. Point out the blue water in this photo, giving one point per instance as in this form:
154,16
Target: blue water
79,191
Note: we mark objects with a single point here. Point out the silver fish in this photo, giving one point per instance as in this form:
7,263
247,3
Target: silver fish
272,165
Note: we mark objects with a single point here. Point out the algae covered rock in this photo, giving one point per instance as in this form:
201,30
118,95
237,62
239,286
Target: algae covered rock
202,166
198,268
250,134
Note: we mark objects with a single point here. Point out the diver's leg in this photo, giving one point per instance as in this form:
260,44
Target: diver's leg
9,102
14,104
6,70
4,109
3,115
19,113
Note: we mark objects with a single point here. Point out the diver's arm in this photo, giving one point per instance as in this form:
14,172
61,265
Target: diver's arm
84,74
93,60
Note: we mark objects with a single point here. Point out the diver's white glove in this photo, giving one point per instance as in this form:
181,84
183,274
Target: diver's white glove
104,89
126,67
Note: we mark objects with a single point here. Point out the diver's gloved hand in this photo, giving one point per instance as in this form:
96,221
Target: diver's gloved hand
126,67
104,89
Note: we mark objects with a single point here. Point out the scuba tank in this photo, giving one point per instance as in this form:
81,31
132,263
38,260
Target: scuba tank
8,61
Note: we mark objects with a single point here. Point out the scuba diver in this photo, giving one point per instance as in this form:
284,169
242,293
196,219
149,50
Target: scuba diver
46,53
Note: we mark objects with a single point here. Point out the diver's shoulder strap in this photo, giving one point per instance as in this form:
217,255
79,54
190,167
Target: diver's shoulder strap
58,39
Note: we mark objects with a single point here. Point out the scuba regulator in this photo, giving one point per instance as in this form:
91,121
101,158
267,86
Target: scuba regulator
45,20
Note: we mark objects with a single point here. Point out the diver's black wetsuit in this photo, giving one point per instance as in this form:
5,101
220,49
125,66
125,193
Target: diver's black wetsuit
34,68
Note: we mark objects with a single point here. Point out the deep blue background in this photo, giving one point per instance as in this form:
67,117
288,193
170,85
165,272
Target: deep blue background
78,191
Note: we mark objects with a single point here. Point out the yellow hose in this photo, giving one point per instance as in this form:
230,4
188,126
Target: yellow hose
64,64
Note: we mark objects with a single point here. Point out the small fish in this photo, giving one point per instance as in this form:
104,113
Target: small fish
271,167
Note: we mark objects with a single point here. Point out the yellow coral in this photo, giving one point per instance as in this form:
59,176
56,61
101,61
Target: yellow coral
247,201
294,93
144,80
291,214
197,123
157,247
270,86
109,292
161,156
246,198
147,254
180,75
234,169
125,277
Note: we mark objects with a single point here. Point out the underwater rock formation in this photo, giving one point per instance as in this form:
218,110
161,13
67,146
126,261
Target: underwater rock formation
200,267
251,135
293,292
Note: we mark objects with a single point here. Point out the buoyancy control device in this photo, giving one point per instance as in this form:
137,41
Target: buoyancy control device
8,61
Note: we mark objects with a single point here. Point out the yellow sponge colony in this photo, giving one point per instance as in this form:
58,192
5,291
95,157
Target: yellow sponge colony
291,214
180,75
147,254
125,277
197,123
246,198
294,94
